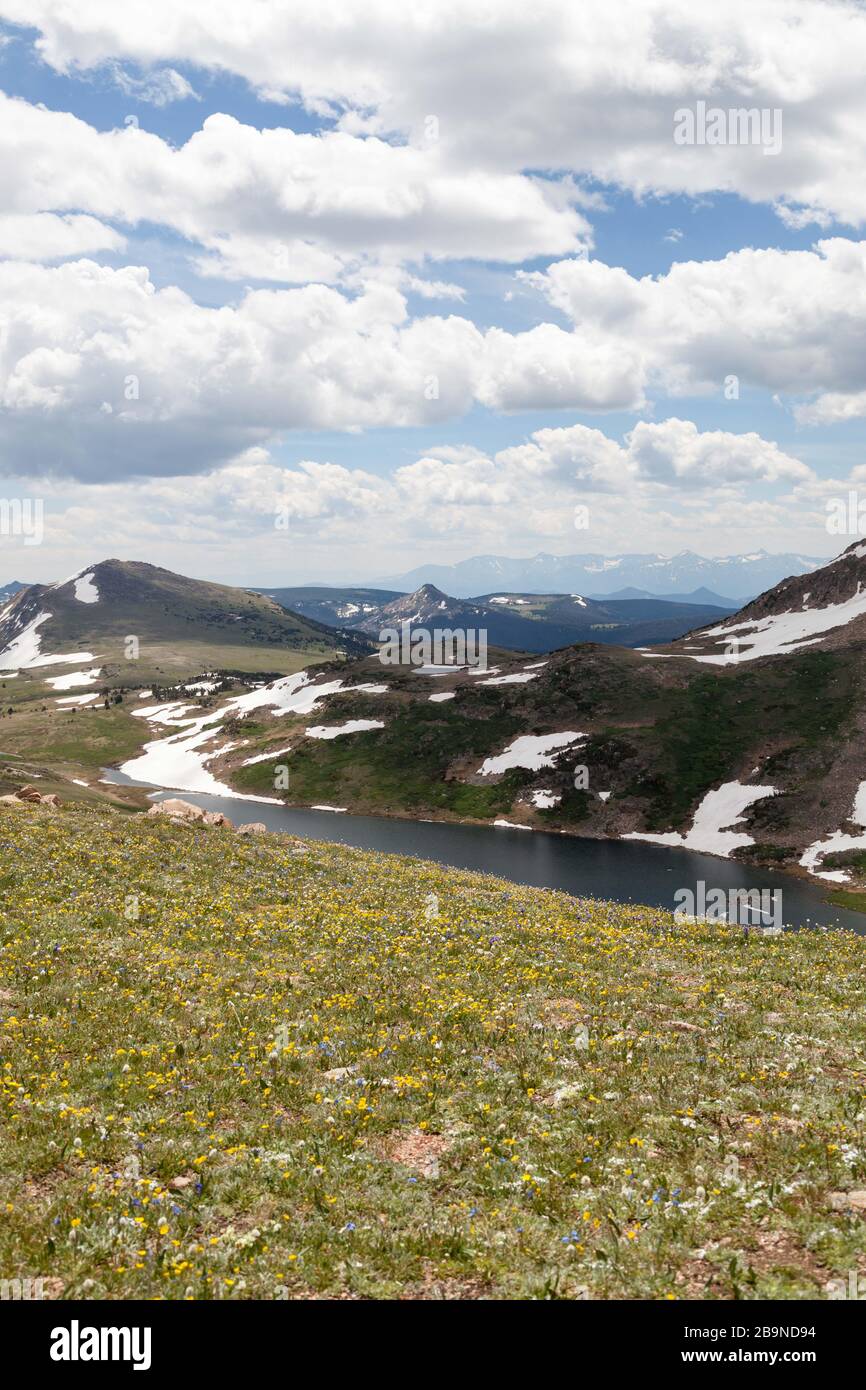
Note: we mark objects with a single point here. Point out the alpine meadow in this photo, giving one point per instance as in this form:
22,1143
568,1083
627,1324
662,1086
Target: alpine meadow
432,675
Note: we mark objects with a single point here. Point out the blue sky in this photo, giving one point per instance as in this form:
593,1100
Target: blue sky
352,345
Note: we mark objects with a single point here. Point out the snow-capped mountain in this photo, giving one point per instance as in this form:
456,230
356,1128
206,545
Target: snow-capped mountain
740,576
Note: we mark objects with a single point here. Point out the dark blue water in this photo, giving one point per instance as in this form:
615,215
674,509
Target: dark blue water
622,870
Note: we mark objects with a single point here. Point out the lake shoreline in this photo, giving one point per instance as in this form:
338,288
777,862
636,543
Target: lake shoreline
534,859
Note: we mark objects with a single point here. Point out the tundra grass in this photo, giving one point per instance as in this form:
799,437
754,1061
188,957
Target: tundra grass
240,1068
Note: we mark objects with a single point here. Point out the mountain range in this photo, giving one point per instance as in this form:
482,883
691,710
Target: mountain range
521,622
744,736
740,576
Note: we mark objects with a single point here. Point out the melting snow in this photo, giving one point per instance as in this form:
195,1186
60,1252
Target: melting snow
518,678
74,678
530,750
266,757
179,762
511,825
77,699
780,632
24,649
544,799
837,843
442,695
710,832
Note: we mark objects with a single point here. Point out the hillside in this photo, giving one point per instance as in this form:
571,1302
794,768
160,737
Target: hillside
175,620
244,1068
78,659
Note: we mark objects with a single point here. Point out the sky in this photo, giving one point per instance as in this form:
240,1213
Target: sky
319,293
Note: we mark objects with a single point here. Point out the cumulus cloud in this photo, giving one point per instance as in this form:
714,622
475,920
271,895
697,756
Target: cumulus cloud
790,321
45,236
458,498
100,370
599,83
276,205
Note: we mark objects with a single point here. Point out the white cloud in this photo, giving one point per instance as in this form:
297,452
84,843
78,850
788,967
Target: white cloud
100,370
791,321
599,82
456,498
277,205
44,236
159,88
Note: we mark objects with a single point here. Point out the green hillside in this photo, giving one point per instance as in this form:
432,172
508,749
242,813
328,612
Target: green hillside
255,1068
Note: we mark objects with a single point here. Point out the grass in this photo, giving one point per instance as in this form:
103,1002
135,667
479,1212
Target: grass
401,767
709,726
254,1068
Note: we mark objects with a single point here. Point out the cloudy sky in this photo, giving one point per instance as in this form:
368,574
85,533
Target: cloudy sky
323,291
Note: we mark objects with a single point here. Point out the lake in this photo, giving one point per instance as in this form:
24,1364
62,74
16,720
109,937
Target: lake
622,870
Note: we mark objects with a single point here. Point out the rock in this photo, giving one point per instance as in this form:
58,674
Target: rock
182,810
51,799
28,793
179,1183
10,801
216,818
340,1073
253,827
849,1201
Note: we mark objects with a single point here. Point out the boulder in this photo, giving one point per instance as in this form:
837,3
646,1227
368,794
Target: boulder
177,809
28,793
10,801
854,1200
253,827
51,799
218,819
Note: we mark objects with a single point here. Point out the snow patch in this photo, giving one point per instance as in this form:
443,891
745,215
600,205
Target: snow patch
266,757
86,590
517,678
544,799
23,652
351,726
533,751
77,699
74,678
780,633
710,832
